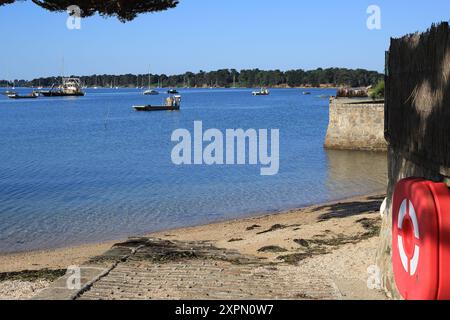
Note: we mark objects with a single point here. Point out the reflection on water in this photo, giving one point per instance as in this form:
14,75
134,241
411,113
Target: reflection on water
356,171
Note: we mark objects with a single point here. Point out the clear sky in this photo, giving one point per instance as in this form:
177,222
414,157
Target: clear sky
208,35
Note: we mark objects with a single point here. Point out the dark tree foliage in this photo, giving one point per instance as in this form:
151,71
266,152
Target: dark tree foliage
228,78
124,10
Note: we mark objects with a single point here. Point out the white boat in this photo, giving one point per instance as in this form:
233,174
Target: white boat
262,92
32,95
150,91
70,87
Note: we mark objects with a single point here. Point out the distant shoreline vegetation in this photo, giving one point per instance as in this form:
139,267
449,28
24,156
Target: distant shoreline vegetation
224,78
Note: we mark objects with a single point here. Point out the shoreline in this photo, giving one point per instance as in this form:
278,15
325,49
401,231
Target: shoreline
336,239
164,88
94,246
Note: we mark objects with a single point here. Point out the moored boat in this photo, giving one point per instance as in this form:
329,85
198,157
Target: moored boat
262,92
151,92
8,92
172,91
70,87
171,104
32,95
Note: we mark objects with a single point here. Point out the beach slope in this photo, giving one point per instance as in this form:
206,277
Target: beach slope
318,252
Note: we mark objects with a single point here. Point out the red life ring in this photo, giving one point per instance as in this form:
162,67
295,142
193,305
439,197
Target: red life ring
420,239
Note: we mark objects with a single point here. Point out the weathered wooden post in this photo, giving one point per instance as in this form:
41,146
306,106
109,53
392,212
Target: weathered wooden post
417,121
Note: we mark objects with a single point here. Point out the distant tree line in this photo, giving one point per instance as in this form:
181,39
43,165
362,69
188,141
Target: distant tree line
224,78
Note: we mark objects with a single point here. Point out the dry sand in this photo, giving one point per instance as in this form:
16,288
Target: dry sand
338,240
16,280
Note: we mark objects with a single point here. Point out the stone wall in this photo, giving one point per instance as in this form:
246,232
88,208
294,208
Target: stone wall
417,121
356,124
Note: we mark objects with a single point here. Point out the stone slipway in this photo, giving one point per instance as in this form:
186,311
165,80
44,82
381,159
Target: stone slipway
149,268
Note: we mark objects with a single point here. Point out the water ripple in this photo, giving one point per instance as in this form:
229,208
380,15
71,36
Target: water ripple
90,169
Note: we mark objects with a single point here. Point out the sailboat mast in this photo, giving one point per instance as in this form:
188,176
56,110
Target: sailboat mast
149,80
62,71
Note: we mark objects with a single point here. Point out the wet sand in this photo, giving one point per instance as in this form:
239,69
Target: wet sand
337,240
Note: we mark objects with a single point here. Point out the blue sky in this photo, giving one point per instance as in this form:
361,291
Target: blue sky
208,35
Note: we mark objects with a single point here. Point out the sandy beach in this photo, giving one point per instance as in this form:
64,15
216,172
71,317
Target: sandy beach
337,240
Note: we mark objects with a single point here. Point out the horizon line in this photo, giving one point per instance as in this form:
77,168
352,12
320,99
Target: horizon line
194,72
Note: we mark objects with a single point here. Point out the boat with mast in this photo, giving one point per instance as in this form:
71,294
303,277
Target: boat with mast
95,86
70,87
8,92
150,91
8,82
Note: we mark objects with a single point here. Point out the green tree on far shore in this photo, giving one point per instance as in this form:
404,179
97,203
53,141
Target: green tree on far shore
224,78
378,91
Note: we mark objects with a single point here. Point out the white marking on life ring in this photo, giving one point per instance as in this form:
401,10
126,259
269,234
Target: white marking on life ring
383,207
402,214
415,260
403,256
412,214
410,266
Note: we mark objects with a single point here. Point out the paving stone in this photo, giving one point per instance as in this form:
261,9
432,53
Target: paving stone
146,268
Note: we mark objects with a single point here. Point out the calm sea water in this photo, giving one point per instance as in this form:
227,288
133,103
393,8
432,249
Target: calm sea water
77,170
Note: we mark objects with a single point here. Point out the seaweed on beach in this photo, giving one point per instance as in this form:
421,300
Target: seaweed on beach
321,244
302,242
336,241
171,256
275,227
273,249
253,227
295,258
235,240
372,227
33,275
163,251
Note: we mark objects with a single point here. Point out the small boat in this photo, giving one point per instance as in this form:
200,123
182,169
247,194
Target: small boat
262,92
305,93
32,95
8,92
151,92
172,91
171,104
70,87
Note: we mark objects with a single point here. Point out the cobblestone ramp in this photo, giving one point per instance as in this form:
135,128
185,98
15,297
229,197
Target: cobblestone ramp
147,268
